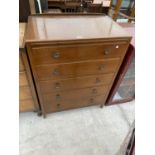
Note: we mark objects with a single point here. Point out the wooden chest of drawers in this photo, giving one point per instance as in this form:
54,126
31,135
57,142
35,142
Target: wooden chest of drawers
74,59
27,95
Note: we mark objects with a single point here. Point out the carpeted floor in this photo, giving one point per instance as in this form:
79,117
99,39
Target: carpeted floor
85,131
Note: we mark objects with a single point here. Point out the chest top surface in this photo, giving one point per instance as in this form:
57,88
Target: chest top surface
63,28
130,28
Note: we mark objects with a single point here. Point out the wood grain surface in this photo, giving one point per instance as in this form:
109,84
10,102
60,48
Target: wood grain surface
70,55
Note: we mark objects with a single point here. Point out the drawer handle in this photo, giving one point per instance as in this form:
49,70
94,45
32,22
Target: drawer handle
106,52
101,67
56,55
94,91
58,105
91,100
57,85
56,72
58,97
98,80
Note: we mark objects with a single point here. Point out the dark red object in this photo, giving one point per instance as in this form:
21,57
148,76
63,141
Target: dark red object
133,151
124,84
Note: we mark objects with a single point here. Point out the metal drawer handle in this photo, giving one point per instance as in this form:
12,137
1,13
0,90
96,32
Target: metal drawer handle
91,100
56,72
101,67
98,80
58,97
56,55
94,91
57,85
106,52
58,105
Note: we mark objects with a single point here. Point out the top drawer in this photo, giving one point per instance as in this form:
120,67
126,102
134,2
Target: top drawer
60,54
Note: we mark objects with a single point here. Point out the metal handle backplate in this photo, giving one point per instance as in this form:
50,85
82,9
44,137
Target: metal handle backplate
91,100
57,85
101,67
56,72
98,80
56,55
94,91
58,105
106,52
58,97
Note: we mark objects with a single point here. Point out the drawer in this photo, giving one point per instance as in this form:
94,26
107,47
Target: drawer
25,93
21,65
74,94
75,83
51,106
72,70
26,105
51,55
23,79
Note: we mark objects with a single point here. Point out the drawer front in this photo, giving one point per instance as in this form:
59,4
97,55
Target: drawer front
72,70
21,65
23,79
26,105
51,106
74,94
75,83
25,93
51,55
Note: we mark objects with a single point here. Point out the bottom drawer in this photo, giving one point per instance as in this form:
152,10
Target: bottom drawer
26,105
71,104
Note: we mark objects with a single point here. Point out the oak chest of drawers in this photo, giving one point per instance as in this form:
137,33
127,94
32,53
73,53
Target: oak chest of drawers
74,59
27,95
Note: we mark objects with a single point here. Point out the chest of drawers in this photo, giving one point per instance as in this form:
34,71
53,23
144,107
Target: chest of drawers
74,59
27,95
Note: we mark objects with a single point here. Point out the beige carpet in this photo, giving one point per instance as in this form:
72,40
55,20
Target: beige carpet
85,131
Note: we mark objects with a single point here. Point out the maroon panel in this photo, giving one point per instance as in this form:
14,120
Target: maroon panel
129,57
